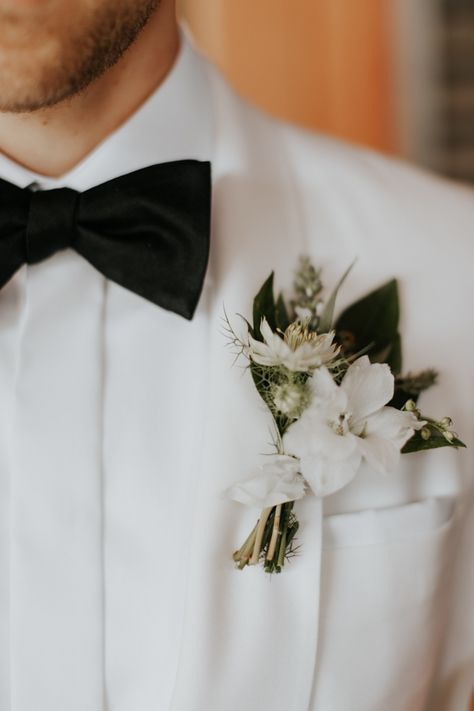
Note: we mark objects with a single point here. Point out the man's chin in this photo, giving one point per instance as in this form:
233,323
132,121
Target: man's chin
45,62
23,90
22,102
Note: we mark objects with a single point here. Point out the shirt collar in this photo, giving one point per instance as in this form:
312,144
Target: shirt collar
175,122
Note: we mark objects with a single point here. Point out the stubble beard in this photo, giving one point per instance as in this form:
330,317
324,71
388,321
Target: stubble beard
73,57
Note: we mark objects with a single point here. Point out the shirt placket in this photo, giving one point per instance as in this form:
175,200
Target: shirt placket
56,566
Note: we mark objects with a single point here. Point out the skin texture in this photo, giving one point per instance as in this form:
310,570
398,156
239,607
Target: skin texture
71,73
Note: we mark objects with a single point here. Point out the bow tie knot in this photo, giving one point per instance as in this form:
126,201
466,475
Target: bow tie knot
51,222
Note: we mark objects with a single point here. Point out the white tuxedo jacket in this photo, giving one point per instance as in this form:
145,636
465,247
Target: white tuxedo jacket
118,591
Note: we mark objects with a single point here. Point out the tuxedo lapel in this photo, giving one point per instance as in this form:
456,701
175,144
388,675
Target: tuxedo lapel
248,639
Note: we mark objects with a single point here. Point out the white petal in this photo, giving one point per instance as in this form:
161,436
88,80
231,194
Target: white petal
381,454
300,360
264,354
323,387
266,331
341,447
298,437
308,438
273,351
369,386
312,354
393,424
328,401
259,351
277,481
326,476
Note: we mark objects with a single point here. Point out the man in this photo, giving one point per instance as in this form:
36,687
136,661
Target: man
122,423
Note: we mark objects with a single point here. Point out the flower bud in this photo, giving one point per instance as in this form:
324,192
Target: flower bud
290,399
425,433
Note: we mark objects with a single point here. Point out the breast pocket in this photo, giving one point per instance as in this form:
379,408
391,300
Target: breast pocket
385,594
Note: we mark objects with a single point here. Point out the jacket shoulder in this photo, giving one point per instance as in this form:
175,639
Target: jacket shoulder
319,162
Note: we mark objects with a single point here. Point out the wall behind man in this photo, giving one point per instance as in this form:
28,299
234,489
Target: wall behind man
325,64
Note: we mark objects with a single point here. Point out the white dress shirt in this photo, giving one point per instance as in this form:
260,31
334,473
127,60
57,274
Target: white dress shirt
86,439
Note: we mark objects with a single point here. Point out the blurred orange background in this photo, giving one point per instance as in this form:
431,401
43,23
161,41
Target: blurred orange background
324,64
396,75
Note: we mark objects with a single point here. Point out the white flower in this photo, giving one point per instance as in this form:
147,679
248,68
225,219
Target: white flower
277,481
300,350
348,423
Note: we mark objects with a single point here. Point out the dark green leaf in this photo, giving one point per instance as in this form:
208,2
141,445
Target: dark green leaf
418,444
281,314
394,357
373,321
264,307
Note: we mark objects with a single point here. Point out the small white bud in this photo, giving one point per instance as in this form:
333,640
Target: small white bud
290,399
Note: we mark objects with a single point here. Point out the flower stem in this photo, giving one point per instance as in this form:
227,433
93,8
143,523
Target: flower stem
259,535
276,528
243,554
282,549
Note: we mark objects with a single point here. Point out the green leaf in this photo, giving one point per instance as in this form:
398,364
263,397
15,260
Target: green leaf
327,315
372,322
281,314
264,307
394,357
436,440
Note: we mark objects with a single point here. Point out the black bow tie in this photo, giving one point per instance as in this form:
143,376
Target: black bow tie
148,230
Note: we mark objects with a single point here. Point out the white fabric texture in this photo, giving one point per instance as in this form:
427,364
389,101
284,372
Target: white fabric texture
122,424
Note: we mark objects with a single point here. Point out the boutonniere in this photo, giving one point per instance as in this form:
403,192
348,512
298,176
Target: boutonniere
337,397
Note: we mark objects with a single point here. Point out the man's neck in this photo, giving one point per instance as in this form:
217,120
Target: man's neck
52,141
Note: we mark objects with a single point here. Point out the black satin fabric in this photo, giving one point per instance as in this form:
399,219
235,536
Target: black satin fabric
148,230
